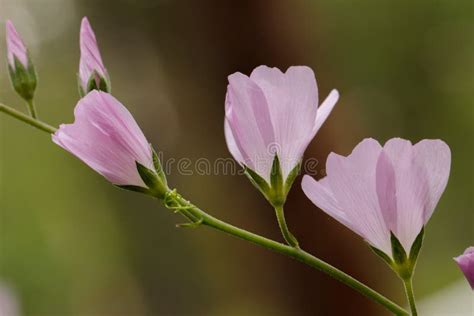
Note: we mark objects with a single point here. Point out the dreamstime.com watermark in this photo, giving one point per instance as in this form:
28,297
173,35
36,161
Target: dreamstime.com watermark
229,167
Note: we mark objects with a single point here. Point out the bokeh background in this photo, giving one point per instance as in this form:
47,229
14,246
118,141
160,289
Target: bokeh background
72,244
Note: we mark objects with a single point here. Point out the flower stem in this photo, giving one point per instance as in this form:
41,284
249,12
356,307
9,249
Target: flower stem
31,108
408,283
293,252
287,235
27,119
198,217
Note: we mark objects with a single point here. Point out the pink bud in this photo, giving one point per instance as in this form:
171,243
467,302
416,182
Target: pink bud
15,47
105,136
91,62
273,113
466,263
377,190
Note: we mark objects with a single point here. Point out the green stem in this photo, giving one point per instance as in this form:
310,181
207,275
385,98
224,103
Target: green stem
31,108
293,252
198,217
27,119
287,235
408,283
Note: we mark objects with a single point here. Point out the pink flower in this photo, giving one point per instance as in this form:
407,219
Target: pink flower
466,263
15,47
8,302
91,65
375,190
273,113
105,136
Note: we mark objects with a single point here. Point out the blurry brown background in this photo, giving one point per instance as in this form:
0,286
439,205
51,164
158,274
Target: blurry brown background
72,244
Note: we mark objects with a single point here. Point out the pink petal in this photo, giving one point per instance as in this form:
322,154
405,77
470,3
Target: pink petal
325,109
386,190
8,302
292,99
319,192
353,183
106,137
434,156
466,264
90,55
15,46
273,113
249,120
411,191
231,143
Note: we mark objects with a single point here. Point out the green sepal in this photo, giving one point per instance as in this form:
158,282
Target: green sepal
103,85
382,255
158,167
402,264
277,190
260,183
152,181
416,247
276,183
24,80
134,188
398,252
291,178
148,176
80,89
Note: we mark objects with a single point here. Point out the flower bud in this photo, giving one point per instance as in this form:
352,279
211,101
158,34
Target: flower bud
92,73
105,136
22,71
466,264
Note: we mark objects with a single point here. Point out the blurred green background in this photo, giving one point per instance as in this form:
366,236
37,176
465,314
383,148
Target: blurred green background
72,244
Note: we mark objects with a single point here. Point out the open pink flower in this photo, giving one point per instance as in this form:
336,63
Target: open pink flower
15,47
105,136
375,190
91,65
272,113
466,263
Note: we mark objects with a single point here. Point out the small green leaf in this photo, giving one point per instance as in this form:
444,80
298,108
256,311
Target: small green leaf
382,255
158,168
416,247
291,178
257,181
398,252
134,188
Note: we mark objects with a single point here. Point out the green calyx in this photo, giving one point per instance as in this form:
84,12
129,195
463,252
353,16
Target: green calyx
155,180
277,190
24,79
96,82
402,263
